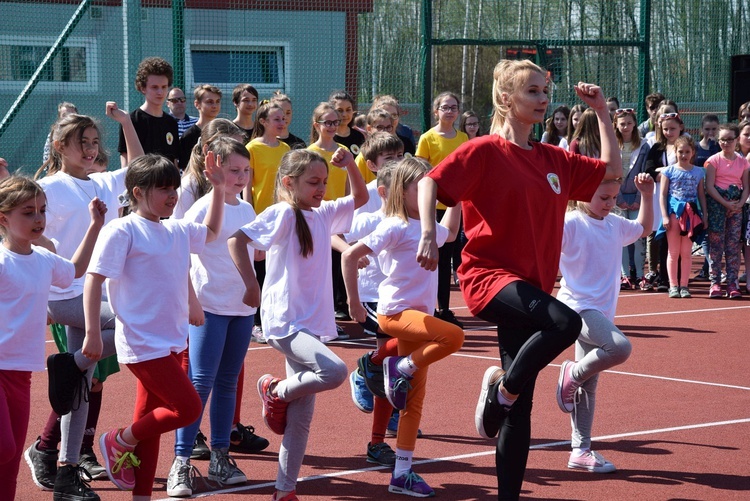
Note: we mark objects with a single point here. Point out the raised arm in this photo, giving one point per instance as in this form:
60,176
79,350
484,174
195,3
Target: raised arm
343,158
215,214
592,95
133,144
427,253
237,244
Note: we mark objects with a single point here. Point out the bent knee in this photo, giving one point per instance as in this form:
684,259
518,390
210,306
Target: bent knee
334,375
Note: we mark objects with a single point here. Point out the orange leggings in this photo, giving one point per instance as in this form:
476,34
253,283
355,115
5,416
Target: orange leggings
427,339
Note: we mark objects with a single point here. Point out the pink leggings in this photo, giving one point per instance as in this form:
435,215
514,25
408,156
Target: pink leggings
165,400
15,406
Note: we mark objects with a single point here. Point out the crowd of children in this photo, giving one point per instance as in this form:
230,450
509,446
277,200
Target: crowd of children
260,236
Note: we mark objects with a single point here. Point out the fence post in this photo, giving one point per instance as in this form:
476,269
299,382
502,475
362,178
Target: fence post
644,58
426,63
178,43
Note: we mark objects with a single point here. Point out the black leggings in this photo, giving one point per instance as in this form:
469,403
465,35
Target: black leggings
533,328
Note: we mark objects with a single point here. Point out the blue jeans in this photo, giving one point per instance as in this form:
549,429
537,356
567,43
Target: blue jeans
217,352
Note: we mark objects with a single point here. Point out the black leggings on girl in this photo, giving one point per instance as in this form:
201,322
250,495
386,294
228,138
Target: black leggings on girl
533,328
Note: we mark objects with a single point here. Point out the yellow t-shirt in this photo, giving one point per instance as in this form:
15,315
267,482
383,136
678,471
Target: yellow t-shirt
264,160
337,177
367,174
434,148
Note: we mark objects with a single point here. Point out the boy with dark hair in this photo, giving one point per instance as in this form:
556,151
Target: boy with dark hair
157,131
208,103
653,101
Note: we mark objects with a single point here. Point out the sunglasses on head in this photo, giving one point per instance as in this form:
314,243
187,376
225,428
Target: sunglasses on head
665,116
624,111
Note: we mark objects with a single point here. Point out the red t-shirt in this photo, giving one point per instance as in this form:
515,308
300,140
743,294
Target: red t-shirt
514,202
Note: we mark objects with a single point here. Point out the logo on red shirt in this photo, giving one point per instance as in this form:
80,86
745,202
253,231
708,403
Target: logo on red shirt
554,182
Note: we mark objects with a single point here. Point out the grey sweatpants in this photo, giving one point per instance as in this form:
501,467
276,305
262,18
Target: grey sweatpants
600,346
69,312
310,368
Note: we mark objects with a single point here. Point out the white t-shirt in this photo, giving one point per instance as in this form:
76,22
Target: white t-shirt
148,264
407,285
297,292
185,196
68,217
216,281
374,203
591,259
24,288
369,277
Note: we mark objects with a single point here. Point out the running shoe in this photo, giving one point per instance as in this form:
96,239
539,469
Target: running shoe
119,461
396,383
674,292
567,386
43,465
90,463
244,440
70,484
410,484
715,292
180,479
685,293
381,454
223,469
200,448
361,396
274,409
373,375
733,292
257,334
591,461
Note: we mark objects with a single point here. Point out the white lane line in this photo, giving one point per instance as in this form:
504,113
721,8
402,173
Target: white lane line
478,454
682,312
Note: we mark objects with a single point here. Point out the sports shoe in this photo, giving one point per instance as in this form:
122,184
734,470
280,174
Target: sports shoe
567,386
43,465
90,463
396,384
341,334
392,428
410,484
373,375
715,291
448,316
257,334
66,382
200,448
244,440
274,409
119,461
733,292
381,454
626,284
645,285
591,461
490,413
223,469
662,287
180,479
71,486
685,293
674,292
292,496
361,396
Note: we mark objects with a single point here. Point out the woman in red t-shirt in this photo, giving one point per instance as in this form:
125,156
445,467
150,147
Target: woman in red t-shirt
514,196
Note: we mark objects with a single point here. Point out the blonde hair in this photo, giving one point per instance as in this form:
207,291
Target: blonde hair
320,110
508,76
406,172
264,110
293,164
66,131
213,130
380,142
14,191
587,134
583,206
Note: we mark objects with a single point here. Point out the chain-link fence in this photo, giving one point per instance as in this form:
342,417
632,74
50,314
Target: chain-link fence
86,52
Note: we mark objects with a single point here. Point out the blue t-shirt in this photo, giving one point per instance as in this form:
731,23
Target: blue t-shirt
683,184
701,155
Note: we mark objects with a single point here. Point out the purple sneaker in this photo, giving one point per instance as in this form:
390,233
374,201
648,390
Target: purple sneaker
567,386
410,484
396,384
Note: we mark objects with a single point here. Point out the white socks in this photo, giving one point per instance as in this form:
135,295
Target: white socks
406,366
403,462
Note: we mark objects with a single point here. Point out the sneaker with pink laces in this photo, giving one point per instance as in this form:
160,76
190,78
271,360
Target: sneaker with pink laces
119,461
715,291
567,386
274,409
591,461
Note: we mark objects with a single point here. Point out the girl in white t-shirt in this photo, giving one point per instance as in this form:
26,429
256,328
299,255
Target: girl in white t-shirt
406,302
297,305
218,346
26,274
590,266
147,259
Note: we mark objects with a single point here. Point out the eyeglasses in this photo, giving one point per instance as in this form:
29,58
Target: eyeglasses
727,139
330,123
665,116
177,100
446,109
472,124
624,111
384,128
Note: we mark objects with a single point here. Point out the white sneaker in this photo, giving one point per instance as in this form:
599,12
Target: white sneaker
591,461
180,479
257,334
223,469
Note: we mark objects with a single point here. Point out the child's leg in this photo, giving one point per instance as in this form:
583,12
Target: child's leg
686,258
652,250
611,346
674,249
15,408
311,367
238,394
733,247
165,400
382,409
434,339
582,417
715,252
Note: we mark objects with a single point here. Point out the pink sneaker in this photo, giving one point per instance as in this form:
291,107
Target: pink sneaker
591,461
715,291
567,386
733,292
274,409
119,461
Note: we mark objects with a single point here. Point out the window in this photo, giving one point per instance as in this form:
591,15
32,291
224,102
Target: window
72,68
227,65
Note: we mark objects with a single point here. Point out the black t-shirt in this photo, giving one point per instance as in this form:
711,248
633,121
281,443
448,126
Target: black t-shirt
294,142
157,134
187,141
355,137
248,133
